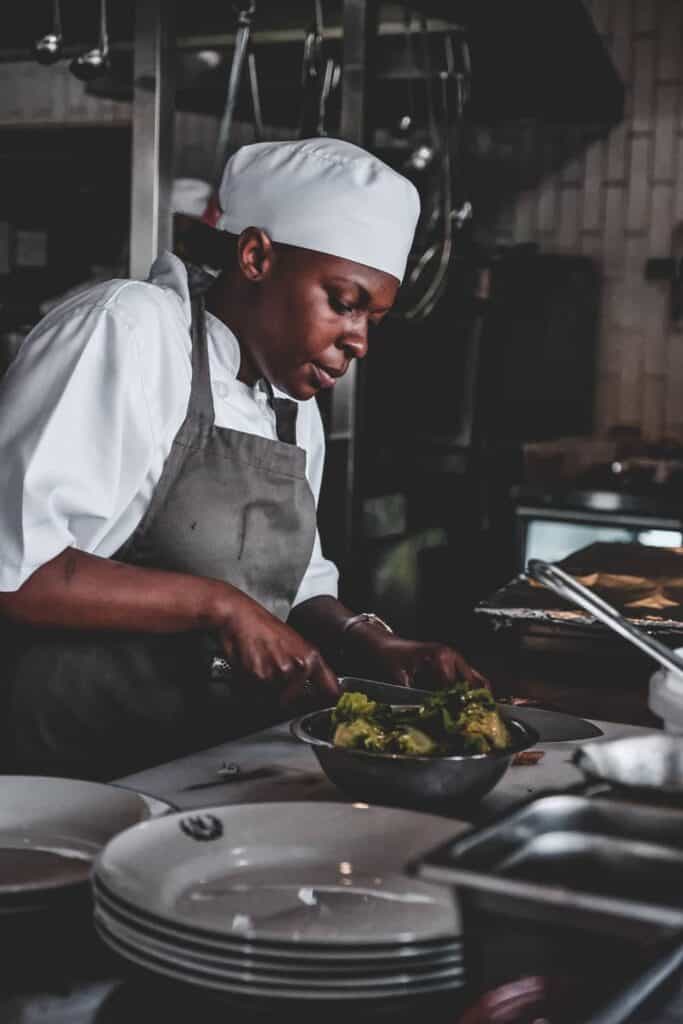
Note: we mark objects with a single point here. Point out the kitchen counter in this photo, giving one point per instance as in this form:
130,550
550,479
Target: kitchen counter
50,981
274,766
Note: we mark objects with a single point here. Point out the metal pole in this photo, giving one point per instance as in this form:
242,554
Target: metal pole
151,225
360,28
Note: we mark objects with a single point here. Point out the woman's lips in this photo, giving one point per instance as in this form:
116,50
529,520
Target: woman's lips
323,379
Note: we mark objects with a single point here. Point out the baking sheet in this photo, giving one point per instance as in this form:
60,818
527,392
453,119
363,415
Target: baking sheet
645,584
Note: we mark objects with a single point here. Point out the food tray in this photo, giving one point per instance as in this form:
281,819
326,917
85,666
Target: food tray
599,864
645,584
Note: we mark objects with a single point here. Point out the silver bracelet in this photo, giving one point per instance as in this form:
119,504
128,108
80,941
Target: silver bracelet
366,617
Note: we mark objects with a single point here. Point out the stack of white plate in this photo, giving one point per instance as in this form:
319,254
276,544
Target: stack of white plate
52,829
281,902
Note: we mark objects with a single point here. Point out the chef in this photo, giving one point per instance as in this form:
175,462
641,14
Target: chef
161,456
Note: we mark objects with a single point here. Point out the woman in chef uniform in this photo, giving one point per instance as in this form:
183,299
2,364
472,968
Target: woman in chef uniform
160,463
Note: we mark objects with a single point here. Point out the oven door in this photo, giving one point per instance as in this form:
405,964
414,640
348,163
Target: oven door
553,533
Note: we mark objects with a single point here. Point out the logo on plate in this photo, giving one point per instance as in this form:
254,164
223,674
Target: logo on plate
202,827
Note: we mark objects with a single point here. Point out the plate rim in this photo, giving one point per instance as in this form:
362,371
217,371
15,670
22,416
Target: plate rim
267,994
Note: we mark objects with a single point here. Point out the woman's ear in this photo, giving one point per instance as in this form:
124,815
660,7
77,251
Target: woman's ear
255,254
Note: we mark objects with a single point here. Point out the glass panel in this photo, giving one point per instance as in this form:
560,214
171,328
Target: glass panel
660,538
551,540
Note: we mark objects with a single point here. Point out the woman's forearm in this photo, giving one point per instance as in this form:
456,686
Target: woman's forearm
81,591
322,620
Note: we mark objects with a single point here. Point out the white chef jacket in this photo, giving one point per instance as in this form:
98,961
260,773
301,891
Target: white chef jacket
89,409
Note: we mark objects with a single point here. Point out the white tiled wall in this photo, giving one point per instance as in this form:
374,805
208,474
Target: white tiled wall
33,95
619,204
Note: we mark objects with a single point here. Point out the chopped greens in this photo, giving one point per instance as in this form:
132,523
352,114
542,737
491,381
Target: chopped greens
459,720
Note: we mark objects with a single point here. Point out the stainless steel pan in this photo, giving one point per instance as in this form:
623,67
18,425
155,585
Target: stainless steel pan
443,783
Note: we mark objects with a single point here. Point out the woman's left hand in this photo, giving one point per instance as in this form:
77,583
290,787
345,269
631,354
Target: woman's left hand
427,665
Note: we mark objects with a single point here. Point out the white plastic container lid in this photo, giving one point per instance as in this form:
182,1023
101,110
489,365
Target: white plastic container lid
666,697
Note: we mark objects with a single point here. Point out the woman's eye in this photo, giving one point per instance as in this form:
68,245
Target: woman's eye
340,307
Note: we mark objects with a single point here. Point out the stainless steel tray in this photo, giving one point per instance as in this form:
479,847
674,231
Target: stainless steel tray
603,864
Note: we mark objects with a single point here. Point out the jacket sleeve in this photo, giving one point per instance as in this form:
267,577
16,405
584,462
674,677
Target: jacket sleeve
75,437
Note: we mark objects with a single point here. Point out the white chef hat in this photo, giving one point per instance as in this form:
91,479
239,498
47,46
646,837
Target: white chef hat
322,194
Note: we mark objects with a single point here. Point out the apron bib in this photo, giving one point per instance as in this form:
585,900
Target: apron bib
229,505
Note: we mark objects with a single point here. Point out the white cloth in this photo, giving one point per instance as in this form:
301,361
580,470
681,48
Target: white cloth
322,194
190,196
88,412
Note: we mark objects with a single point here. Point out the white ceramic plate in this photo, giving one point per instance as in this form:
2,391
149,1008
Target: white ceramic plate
312,873
396,972
265,992
281,956
51,829
257,975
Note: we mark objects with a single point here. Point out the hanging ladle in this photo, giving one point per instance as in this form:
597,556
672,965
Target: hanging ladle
48,49
571,590
93,63
423,155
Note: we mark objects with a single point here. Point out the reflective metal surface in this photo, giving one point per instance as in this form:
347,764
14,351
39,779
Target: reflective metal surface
153,107
648,766
570,589
600,863
405,780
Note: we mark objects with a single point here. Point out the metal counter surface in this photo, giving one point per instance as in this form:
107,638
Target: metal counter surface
275,766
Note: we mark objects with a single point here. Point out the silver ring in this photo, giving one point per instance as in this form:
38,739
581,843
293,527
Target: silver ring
220,668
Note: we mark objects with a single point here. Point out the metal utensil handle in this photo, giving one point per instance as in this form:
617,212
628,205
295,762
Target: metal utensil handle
255,97
621,1009
566,586
244,20
104,29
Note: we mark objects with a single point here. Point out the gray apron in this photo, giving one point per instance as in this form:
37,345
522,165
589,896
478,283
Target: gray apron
229,505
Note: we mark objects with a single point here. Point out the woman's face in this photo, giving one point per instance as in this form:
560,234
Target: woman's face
309,316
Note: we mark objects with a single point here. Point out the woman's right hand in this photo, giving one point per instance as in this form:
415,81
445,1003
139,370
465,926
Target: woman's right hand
263,650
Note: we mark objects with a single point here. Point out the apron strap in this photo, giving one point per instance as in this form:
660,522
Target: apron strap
201,398
285,419
286,412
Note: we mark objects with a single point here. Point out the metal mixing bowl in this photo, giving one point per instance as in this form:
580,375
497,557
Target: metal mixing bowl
406,780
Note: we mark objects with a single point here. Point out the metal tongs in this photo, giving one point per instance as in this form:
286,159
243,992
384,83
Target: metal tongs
569,588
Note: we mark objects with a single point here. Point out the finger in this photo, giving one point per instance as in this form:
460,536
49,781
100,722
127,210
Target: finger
297,676
324,680
318,681
481,680
401,676
448,666
440,666
465,670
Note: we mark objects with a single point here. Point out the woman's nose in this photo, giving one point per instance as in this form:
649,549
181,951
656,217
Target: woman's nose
356,343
